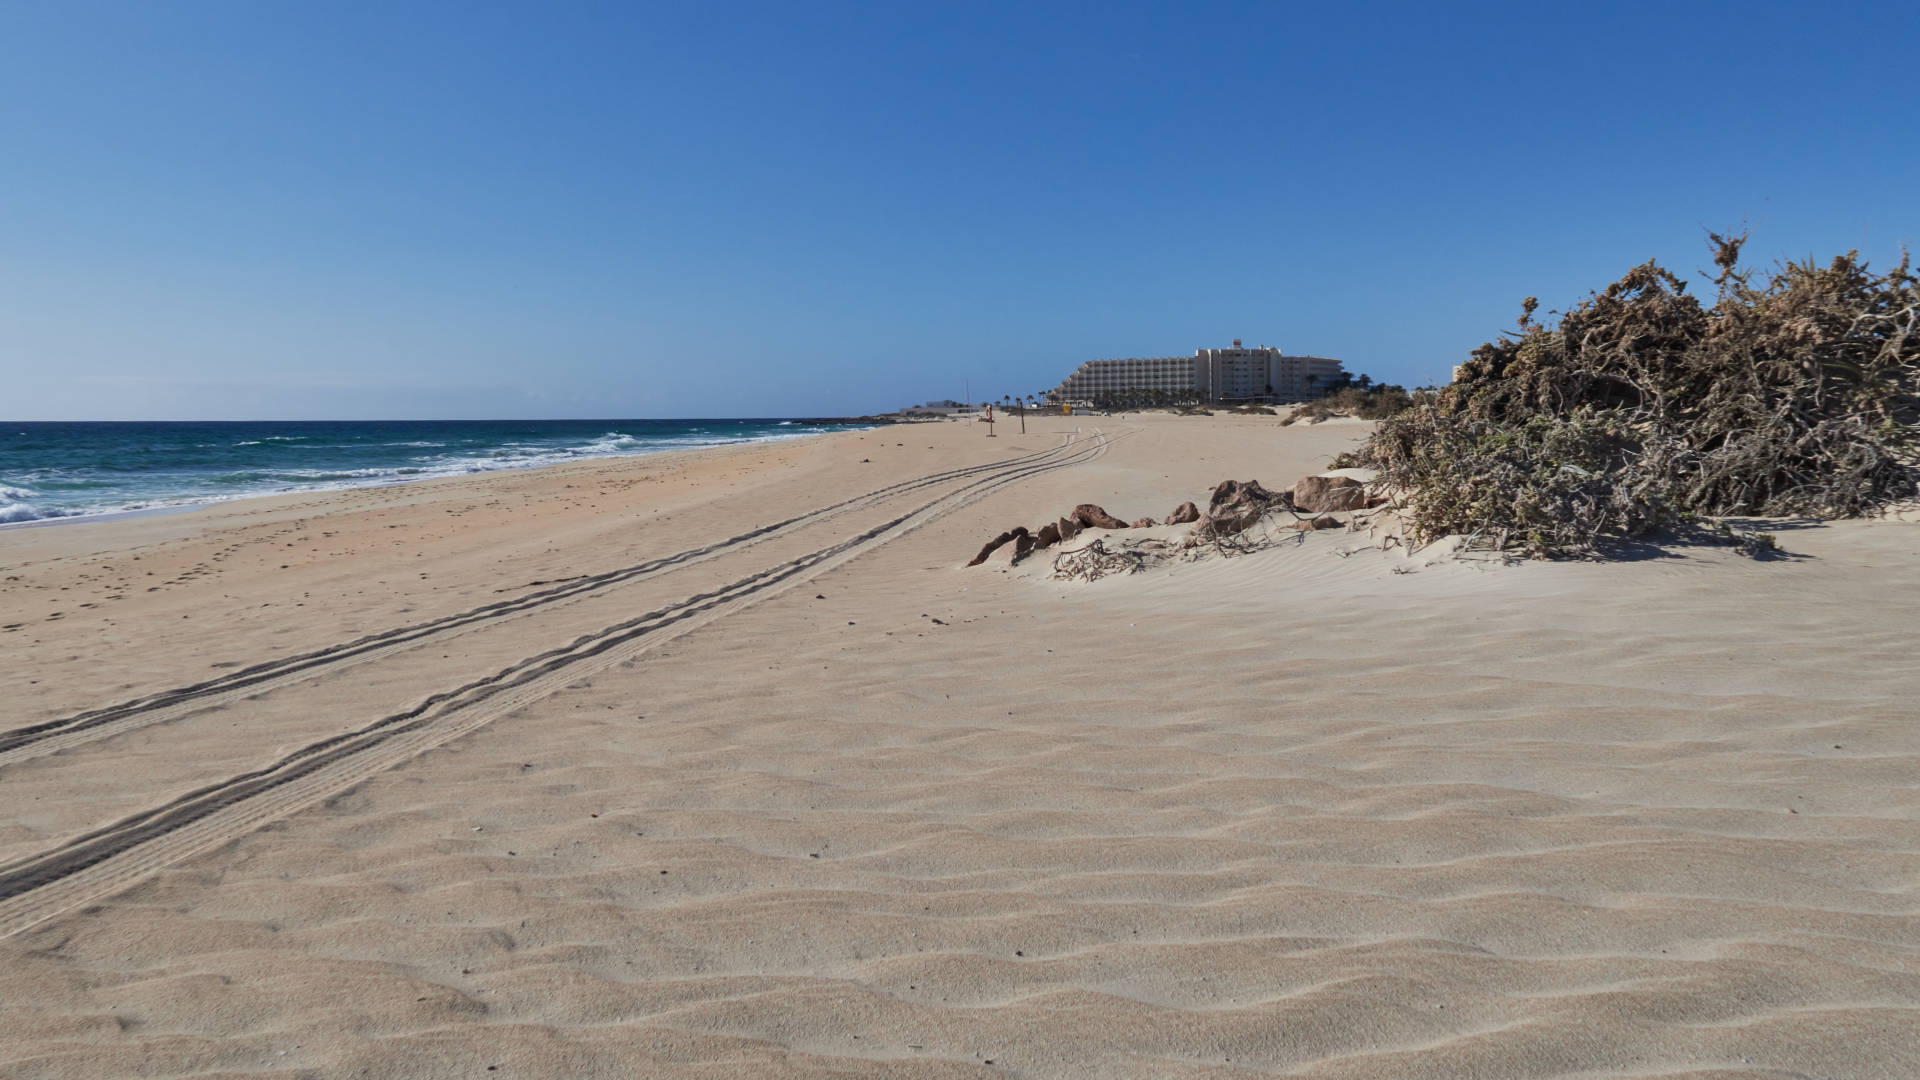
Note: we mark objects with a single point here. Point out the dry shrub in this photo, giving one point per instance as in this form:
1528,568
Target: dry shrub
1367,404
1795,394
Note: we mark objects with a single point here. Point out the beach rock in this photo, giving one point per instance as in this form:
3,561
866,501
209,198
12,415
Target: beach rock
1145,523
1319,494
1324,521
1235,506
991,546
1093,517
1183,514
1022,546
1069,529
995,543
1048,536
1240,492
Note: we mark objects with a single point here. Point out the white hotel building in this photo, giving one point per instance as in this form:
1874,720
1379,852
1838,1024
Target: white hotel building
1215,375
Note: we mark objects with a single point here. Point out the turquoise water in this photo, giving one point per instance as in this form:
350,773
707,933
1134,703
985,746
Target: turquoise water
69,470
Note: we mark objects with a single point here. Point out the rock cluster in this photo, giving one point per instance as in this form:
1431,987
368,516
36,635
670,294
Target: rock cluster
1234,507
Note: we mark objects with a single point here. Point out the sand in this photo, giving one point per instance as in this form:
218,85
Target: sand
533,774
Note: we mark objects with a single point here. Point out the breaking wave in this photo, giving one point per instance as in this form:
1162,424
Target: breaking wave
50,471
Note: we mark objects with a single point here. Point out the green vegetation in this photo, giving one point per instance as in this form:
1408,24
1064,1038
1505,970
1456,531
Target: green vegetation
1794,393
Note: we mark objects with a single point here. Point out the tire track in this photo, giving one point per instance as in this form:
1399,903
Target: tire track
109,859
37,740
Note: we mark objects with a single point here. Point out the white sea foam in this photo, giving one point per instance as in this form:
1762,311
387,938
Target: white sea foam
268,476
14,507
14,513
252,483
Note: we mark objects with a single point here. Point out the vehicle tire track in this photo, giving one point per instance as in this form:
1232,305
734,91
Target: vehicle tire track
107,860
52,736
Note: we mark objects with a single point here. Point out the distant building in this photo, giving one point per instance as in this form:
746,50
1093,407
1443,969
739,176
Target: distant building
1209,375
937,408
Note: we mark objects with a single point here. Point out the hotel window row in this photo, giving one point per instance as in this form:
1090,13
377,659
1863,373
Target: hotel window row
1215,375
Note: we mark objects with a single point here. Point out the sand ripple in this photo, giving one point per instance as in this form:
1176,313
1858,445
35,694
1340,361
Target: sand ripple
1594,821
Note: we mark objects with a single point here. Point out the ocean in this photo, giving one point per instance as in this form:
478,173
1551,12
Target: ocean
52,471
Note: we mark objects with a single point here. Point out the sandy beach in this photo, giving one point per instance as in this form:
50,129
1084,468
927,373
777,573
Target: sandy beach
723,764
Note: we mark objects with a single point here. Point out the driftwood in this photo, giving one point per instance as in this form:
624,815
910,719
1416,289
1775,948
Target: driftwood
1095,561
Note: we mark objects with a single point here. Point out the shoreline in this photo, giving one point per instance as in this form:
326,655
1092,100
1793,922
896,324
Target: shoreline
191,505
111,515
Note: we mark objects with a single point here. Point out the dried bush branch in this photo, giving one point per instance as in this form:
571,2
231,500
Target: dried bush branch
1796,395
1095,561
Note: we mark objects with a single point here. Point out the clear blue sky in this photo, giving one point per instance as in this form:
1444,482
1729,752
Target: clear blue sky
285,210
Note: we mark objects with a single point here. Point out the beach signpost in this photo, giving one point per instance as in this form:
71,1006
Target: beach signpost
989,419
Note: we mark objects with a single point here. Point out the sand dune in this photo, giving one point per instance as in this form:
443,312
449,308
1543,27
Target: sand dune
1284,814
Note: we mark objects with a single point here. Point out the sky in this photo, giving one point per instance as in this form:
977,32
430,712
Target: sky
278,210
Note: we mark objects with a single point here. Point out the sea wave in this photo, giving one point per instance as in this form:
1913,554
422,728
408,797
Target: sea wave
55,482
140,483
615,441
308,476
20,513
17,512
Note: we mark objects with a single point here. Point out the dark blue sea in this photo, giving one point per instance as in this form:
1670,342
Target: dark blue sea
69,470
